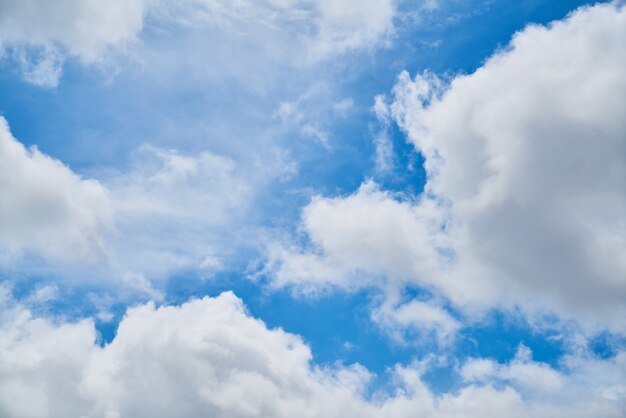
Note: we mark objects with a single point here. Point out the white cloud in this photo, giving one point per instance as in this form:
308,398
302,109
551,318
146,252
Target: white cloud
166,183
59,28
319,28
529,151
44,33
47,208
42,67
351,24
311,111
357,240
425,318
83,28
166,212
525,198
170,209
209,357
206,357
521,371
383,158
370,239
343,107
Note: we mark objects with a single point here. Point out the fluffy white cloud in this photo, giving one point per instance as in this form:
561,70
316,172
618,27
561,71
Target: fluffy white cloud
529,153
367,235
83,28
47,31
403,321
47,208
521,370
209,357
525,201
369,239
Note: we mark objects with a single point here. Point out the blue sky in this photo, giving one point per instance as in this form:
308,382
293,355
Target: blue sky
387,208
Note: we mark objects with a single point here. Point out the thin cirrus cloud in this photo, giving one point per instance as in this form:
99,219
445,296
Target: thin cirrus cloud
157,216
171,210
208,356
524,202
40,36
189,202
319,28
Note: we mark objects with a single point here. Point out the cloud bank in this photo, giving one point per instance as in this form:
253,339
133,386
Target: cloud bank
525,201
209,357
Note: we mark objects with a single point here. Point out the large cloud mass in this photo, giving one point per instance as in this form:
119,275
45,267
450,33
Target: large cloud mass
47,208
208,357
525,202
530,153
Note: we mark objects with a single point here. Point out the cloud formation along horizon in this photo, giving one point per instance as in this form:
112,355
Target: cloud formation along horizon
208,356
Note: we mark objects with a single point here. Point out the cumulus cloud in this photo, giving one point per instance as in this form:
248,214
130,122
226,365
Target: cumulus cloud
416,321
357,240
209,357
373,239
47,208
83,28
521,370
43,32
525,197
529,153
